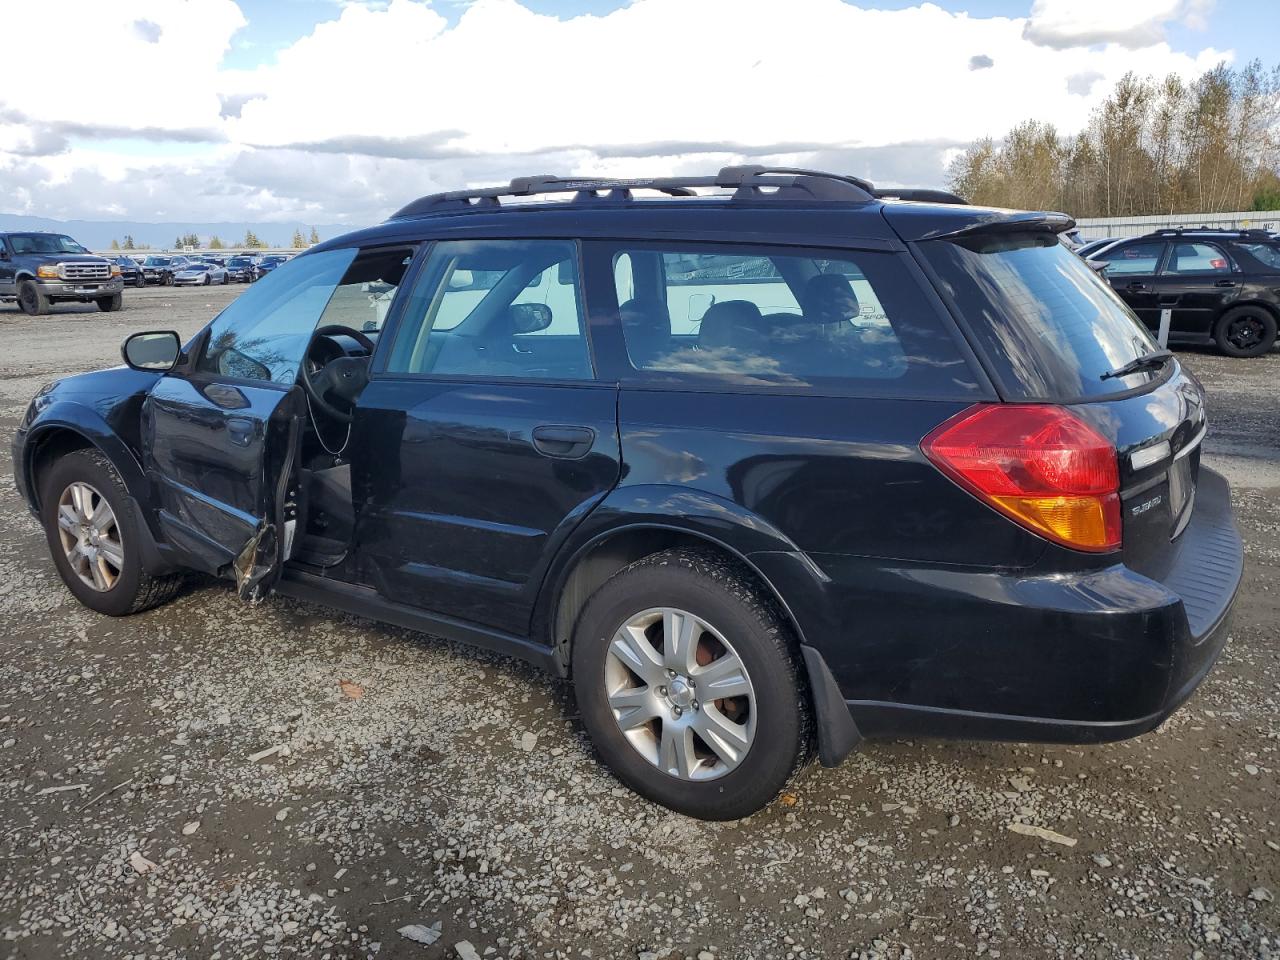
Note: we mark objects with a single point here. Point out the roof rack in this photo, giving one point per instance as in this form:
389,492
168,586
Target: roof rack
919,194
747,182
1242,231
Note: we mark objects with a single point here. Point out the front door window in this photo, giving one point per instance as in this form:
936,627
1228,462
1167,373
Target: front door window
264,333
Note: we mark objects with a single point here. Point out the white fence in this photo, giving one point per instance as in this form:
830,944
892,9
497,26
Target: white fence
1092,228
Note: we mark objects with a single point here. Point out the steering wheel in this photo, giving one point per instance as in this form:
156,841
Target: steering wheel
343,376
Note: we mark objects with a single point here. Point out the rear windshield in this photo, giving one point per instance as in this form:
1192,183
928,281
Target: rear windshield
1050,326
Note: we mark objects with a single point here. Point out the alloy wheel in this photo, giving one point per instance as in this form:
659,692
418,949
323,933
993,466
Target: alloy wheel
1245,332
90,536
680,694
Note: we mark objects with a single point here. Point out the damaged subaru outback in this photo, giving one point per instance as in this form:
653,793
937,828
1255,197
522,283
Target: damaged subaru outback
764,463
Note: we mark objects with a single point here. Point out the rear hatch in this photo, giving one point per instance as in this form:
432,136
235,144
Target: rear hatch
1051,331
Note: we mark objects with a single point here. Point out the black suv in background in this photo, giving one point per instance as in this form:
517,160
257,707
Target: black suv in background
1223,286
787,461
41,269
159,270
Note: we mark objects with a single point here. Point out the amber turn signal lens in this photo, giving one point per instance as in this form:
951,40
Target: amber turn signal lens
1040,465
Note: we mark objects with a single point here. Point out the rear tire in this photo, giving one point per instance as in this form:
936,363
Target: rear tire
31,299
110,304
735,626
122,585
1248,331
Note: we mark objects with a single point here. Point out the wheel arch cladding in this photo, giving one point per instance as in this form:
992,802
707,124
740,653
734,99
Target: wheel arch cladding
611,551
57,434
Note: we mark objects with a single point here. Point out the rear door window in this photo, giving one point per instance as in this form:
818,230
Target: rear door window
853,321
1193,258
1048,325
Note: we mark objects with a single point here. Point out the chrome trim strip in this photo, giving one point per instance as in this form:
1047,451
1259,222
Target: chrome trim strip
1195,442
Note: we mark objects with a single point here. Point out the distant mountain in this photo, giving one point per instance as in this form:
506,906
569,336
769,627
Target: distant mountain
98,234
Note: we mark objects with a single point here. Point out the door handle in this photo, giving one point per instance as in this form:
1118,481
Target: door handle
240,430
566,443
1135,285
1224,283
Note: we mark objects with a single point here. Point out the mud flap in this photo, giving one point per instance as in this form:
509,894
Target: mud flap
838,735
257,560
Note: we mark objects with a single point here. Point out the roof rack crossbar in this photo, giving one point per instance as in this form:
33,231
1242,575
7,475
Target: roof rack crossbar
1242,231
747,182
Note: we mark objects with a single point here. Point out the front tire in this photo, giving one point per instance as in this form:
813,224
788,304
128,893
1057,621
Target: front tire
31,299
93,534
1246,332
688,681
110,304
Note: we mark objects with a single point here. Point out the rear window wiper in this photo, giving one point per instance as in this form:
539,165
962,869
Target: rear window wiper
1156,358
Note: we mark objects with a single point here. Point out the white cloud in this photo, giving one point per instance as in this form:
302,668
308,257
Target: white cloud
1134,24
387,100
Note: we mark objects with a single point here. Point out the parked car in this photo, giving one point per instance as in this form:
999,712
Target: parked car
199,272
130,270
158,270
1222,286
790,485
41,269
242,269
1094,246
269,262
1072,239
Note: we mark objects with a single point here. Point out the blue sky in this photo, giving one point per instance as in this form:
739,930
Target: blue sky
1249,27
339,111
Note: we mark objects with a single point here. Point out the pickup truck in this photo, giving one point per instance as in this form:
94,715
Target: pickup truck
40,269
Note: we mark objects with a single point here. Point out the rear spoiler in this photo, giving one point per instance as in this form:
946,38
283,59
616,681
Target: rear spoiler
1028,222
930,222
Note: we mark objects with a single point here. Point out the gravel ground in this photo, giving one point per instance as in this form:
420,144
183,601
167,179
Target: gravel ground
418,782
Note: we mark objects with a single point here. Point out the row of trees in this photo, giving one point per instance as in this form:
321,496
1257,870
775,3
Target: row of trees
1154,146
250,242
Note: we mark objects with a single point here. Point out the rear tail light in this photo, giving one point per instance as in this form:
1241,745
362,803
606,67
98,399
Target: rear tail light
1039,465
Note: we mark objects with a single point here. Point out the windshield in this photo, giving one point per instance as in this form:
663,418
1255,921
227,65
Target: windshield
238,262
156,262
44,243
1049,325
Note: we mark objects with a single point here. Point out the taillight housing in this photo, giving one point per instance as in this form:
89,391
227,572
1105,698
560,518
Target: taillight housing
1039,465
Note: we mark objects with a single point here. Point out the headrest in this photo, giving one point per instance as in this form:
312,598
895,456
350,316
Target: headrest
730,323
829,298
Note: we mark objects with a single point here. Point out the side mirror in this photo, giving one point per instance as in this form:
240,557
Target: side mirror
529,317
4,252
157,351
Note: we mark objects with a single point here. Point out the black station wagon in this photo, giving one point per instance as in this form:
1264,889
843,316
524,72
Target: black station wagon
1219,287
765,462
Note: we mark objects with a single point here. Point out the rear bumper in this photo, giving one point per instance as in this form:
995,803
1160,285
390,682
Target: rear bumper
1087,658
